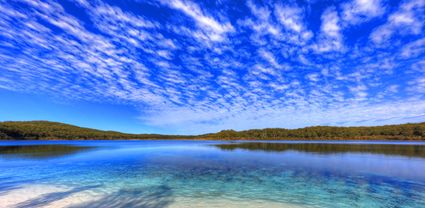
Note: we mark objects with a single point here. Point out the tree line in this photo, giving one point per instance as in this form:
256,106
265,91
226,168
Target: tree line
44,130
38,130
411,131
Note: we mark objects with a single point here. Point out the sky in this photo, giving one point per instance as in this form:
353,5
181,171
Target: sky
192,67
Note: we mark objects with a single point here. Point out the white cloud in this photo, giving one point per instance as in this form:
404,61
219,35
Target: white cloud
408,19
213,27
292,20
289,17
358,11
270,58
330,24
419,66
413,49
417,85
331,38
313,77
262,23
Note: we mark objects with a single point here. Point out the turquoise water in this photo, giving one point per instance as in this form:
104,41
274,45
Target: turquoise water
212,174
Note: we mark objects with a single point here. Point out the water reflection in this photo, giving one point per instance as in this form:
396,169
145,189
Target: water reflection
330,148
41,151
172,173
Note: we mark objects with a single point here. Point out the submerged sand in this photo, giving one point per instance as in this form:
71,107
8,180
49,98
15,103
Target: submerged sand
51,196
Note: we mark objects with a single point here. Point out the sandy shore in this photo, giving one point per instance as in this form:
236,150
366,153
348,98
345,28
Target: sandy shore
220,203
45,196
49,196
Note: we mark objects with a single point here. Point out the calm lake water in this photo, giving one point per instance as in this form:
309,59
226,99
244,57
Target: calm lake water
211,174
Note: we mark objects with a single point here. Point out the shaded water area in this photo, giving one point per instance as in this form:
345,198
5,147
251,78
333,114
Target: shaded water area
211,174
40,151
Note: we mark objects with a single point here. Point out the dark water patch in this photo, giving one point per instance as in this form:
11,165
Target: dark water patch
329,148
41,151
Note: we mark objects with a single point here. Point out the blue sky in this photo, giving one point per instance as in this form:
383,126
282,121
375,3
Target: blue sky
189,67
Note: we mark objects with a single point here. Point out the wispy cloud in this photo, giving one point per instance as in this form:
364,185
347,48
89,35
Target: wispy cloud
330,38
358,11
408,19
212,27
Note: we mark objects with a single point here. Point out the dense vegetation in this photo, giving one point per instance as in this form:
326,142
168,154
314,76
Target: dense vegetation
43,130
395,132
38,130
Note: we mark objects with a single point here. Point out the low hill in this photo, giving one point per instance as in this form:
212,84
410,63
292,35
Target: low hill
411,131
44,130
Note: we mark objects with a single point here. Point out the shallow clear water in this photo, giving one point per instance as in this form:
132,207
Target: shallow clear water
211,174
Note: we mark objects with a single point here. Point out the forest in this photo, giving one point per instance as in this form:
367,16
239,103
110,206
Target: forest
45,130
410,131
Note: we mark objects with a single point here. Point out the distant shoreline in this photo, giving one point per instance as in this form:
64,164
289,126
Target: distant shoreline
371,141
226,139
46,130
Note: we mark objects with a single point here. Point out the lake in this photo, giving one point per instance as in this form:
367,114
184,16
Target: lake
212,174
